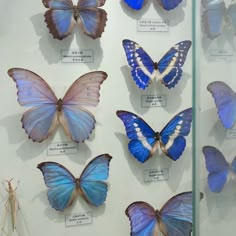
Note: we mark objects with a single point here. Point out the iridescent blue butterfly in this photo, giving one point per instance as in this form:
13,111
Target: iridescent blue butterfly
174,218
215,16
166,4
144,140
63,15
219,169
225,100
167,70
64,187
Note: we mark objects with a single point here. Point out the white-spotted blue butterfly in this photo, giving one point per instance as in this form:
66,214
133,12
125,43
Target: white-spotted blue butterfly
225,100
63,15
144,140
219,169
216,16
173,219
64,187
144,70
48,111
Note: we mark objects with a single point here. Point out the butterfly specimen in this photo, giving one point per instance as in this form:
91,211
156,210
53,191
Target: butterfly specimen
168,70
63,15
166,4
225,100
48,111
64,187
144,140
174,218
215,16
219,169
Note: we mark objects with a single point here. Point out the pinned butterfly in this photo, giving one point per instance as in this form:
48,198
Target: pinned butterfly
174,218
220,171
48,111
64,187
165,4
63,15
215,16
144,140
144,70
225,100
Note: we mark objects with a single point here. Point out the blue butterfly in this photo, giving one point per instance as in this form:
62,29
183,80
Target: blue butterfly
64,187
173,219
219,169
215,16
63,15
144,140
167,70
166,4
225,100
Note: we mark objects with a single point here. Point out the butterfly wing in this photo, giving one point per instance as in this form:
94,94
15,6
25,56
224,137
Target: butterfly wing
144,140
135,4
61,183
217,167
142,218
232,16
92,185
169,67
225,100
169,4
34,92
172,139
213,17
78,122
59,18
143,68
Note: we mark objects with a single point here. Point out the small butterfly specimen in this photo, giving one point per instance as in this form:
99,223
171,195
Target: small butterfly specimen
216,16
48,111
144,140
63,15
225,100
64,187
144,70
165,4
174,218
219,169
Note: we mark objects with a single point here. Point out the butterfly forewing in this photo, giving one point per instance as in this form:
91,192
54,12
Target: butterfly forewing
135,4
169,4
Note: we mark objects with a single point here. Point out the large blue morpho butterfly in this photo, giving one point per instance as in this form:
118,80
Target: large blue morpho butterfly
64,187
48,111
219,169
215,16
144,70
173,219
63,15
225,100
144,140
166,4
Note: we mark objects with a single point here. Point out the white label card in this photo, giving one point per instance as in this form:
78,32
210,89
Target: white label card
215,54
231,133
154,100
62,148
78,219
156,175
152,25
77,56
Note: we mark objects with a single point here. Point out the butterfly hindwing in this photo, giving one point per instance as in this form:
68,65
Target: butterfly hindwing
169,4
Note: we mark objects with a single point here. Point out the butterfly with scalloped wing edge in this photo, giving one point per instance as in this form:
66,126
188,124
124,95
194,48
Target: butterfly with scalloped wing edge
48,111
63,187
63,15
144,140
220,171
225,100
144,70
215,16
174,218
165,4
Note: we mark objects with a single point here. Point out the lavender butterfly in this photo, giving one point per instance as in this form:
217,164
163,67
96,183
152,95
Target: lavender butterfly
48,111
174,218
63,15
